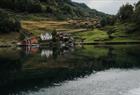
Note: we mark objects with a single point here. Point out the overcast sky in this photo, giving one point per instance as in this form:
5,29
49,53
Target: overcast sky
107,6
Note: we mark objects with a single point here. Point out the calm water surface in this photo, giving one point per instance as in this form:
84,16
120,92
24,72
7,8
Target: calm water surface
86,70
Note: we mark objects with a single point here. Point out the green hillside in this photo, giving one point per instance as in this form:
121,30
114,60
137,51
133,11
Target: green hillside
51,8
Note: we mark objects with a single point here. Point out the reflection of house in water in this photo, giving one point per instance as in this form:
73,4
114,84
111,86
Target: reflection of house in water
46,53
55,52
31,50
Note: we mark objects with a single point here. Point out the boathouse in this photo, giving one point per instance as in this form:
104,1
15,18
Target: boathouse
30,41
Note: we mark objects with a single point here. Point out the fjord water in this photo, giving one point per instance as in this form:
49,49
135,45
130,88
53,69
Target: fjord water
86,70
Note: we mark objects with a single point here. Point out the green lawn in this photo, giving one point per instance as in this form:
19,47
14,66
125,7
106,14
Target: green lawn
120,35
94,35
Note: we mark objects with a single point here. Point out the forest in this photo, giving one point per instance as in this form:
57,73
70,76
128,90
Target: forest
127,14
64,8
60,9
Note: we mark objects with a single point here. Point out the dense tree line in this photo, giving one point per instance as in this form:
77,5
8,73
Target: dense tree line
37,6
109,20
8,24
125,13
137,13
22,5
128,14
56,8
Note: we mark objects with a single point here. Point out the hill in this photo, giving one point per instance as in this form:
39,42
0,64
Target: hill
39,16
51,8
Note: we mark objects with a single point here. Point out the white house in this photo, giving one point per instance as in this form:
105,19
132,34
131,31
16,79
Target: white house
46,36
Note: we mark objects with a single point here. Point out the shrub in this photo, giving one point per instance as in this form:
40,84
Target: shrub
137,14
130,28
8,24
110,30
125,13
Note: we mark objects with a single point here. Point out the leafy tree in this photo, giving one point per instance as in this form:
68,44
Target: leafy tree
110,30
125,13
111,20
103,22
54,36
67,9
137,13
8,24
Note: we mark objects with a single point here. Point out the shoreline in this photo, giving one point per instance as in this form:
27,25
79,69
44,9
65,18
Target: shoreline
108,43
79,43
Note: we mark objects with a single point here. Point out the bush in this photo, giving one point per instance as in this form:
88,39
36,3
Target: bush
110,30
103,22
137,14
126,13
8,24
130,28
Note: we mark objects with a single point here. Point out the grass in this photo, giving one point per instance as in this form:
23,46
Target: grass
94,35
9,38
121,31
43,25
119,35
124,40
38,27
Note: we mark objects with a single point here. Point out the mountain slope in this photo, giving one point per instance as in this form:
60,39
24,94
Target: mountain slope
51,8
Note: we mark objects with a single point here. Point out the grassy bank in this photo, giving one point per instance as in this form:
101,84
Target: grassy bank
120,34
8,39
38,27
93,35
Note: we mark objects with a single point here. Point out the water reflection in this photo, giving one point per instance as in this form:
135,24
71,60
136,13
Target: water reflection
33,68
46,53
